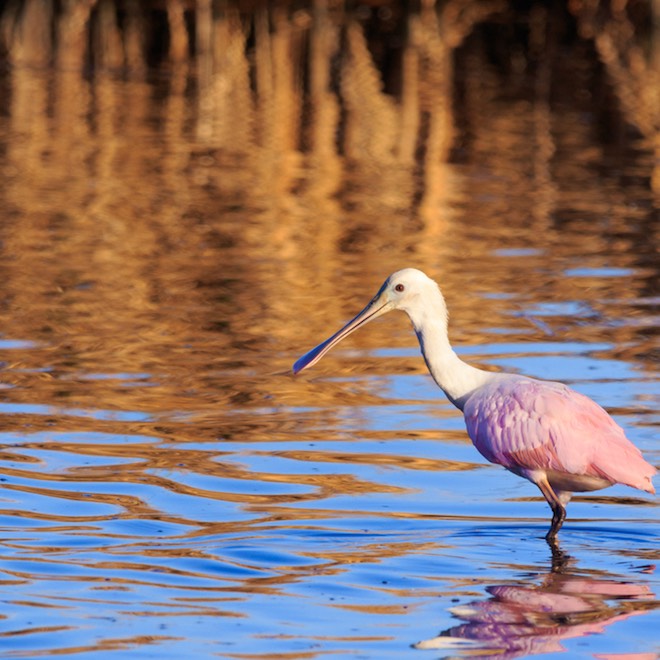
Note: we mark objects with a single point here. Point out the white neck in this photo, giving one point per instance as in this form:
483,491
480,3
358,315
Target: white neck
456,378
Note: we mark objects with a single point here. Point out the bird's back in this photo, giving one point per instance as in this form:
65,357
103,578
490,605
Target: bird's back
527,424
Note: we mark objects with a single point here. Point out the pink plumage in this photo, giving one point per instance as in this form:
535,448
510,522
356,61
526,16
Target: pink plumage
560,440
529,425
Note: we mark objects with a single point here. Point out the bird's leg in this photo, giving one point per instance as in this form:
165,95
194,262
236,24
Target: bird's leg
558,510
558,517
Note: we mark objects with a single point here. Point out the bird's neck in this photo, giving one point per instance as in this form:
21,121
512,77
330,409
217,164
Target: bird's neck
456,378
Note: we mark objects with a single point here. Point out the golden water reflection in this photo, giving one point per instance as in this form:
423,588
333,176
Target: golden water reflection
177,225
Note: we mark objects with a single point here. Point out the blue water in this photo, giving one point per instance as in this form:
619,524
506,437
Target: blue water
171,242
366,536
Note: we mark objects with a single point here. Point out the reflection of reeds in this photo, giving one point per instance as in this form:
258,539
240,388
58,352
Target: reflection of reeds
632,61
305,144
254,96
249,66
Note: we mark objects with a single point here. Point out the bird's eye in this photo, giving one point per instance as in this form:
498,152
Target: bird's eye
399,288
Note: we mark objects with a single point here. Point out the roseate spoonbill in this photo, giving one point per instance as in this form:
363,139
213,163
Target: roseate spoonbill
558,439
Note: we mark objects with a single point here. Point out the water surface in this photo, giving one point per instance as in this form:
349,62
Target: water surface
172,239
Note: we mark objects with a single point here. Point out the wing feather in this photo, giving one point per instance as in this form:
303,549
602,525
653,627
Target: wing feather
527,424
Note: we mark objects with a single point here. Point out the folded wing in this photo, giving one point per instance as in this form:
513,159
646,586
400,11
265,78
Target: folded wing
527,424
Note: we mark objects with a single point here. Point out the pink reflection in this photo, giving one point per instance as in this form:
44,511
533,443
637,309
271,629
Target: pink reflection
626,656
522,620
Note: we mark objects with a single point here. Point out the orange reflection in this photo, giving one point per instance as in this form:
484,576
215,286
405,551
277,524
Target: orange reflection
181,216
291,149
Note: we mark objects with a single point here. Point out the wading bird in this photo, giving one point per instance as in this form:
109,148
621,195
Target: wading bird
558,439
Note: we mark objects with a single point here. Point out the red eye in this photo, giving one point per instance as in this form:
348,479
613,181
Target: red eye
399,288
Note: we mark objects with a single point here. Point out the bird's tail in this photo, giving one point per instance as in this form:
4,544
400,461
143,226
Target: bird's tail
627,467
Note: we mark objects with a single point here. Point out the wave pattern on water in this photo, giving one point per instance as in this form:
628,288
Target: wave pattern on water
137,531
172,238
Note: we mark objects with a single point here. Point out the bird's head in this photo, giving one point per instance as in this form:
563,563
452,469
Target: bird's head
408,290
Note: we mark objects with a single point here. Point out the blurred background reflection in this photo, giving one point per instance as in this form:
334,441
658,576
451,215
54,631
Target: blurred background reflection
196,192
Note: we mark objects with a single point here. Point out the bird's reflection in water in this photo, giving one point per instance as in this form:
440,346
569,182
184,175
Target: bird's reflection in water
518,620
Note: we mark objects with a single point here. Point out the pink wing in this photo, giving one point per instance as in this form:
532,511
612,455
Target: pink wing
522,423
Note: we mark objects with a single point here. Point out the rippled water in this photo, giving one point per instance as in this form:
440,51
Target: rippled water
169,489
